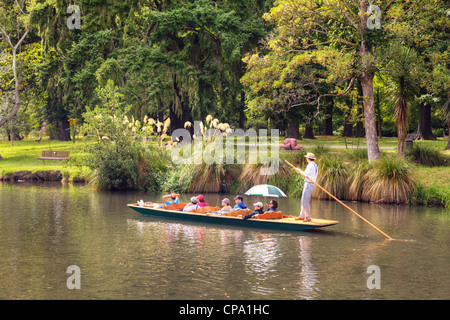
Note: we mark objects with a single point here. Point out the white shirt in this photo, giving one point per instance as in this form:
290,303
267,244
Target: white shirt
311,172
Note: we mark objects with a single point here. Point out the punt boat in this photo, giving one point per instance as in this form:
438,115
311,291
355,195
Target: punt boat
283,222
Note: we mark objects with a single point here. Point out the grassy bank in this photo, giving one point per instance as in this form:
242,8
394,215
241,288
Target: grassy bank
23,156
343,171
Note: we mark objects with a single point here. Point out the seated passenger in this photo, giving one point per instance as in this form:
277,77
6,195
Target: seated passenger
239,203
272,206
258,210
225,207
191,205
174,199
201,201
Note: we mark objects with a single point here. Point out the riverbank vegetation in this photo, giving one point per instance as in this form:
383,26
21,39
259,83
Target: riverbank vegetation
346,173
115,80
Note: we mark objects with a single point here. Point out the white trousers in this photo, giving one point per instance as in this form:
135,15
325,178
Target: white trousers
306,198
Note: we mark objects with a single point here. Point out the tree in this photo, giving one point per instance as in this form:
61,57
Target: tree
179,59
427,32
283,83
338,33
14,16
403,85
199,46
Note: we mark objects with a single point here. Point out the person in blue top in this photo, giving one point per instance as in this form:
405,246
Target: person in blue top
239,203
174,198
272,206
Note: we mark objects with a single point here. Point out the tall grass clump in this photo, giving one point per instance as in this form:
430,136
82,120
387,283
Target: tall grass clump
426,155
358,179
320,151
213,177
333,177
389,180
357,154
297,158
251,176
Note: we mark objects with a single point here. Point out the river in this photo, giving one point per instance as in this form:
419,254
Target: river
47,227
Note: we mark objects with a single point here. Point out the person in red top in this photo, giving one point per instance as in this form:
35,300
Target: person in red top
201,201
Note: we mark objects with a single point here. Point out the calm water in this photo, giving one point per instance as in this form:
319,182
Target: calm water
122,255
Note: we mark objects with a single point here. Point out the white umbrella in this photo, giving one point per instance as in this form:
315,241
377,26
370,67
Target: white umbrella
265,190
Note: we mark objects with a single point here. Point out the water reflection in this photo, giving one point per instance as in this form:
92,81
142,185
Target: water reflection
267,264
123,255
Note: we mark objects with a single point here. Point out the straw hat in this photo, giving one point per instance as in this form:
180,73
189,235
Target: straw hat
310,156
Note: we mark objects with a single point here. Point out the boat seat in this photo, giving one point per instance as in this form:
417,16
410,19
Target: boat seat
174,206
271,215
205,209
236,213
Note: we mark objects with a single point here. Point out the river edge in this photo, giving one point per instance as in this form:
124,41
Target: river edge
58,176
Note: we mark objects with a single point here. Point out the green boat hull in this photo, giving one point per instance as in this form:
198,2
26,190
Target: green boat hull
285,224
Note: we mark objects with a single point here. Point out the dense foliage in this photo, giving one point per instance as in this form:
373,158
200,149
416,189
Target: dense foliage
136,69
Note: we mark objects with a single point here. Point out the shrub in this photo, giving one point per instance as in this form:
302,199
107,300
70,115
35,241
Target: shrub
117,148
389,180
175,179
154,163
426,155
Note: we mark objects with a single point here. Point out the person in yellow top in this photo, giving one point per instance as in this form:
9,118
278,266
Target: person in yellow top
310,172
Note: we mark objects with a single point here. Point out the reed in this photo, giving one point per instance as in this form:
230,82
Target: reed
389,180
333,176
357,179
213,177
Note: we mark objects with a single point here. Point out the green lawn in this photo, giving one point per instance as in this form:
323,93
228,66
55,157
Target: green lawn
23,155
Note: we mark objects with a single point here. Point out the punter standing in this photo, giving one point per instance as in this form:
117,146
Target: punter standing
310,172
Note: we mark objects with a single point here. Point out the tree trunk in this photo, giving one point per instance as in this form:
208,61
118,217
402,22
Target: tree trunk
348,127
293,129
359,130
242,117
373,151
447,147
309,133
424,128
328,125
378,112
63,131
16,77
401,118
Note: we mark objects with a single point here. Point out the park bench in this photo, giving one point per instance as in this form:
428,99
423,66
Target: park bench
53,155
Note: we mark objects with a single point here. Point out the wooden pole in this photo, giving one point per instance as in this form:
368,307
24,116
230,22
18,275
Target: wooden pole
351,210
